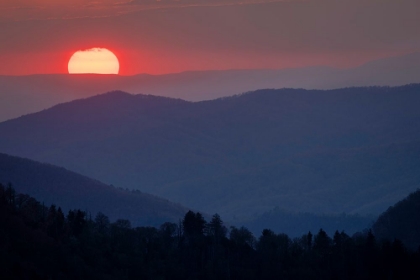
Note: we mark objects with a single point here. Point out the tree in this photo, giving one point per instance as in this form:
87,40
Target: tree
102,223
242,237
216,229
323,252
76,221
321,241
193,224
168,233
3,200
309,241
10,194
122,224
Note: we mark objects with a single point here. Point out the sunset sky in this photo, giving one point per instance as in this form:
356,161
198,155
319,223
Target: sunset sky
164,36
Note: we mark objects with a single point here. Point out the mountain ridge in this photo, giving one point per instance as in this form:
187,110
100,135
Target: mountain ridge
26,94
401,222
242,155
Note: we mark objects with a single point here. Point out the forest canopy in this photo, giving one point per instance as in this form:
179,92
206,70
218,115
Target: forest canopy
42,242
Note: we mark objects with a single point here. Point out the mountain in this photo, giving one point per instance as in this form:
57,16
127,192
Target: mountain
401,221
54,185
27,94
352,150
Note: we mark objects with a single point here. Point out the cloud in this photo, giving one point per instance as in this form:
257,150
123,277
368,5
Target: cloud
199,3
24,10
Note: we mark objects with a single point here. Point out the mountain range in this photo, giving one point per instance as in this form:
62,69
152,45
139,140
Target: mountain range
353,150
21,95
52,185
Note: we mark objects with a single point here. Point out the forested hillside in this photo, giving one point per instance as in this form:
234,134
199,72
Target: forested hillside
353,150
401,221
51,184
43,242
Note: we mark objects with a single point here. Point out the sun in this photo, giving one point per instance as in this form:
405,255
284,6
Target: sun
94,61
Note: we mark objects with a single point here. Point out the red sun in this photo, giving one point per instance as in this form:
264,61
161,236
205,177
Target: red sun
94,61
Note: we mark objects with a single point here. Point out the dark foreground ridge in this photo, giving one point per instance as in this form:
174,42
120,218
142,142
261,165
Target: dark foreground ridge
51,184
39,242
401,222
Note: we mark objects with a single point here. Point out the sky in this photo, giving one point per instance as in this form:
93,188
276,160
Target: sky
166,36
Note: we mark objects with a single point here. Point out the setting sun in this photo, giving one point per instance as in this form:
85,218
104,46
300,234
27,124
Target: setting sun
94,61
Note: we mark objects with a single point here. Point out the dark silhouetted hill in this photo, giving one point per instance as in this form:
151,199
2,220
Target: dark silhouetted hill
352,150
401,221
54,185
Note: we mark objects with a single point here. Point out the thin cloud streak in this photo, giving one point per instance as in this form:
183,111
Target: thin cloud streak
102,9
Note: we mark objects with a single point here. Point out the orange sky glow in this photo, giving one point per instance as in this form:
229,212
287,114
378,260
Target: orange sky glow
40,36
